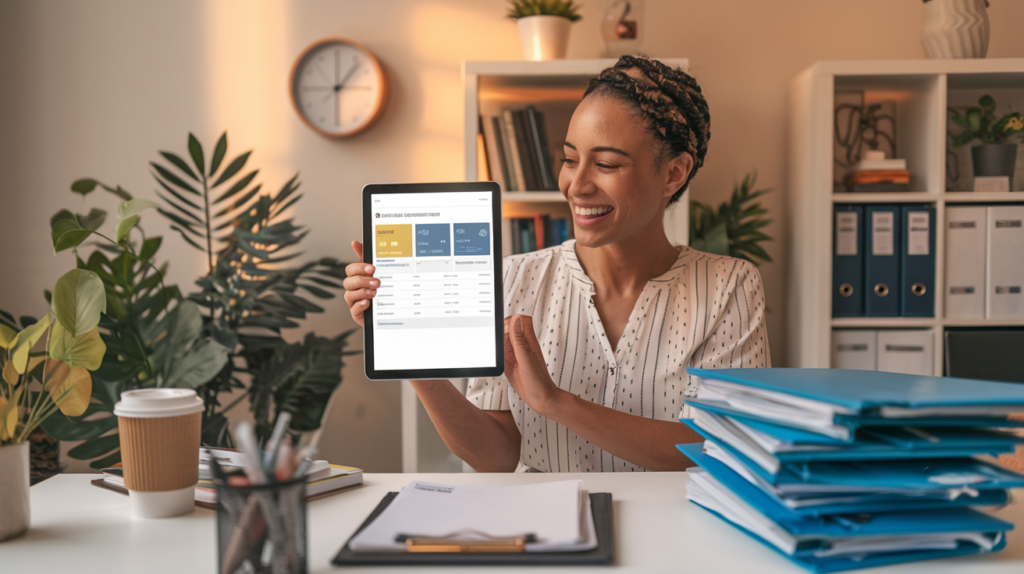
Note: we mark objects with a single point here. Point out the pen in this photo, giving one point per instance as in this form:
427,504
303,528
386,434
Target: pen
270,458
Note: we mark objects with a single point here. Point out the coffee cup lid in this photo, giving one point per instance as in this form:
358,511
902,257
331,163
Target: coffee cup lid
154,403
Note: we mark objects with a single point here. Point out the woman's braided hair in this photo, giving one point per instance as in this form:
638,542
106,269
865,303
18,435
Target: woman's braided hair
668,99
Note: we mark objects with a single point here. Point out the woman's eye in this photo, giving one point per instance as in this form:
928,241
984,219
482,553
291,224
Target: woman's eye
568,161
607,166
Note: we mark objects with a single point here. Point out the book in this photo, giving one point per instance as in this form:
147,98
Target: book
526,156
495,153
501,135
323,479
877,187
483,172
879,176
870,164
535,120
510,138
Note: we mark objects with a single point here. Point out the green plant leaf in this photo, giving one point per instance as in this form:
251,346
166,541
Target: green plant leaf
70,386
987,103
67,234
974,120
78,299
27,339
128,215
173,179
179,163
238,186
234,167
202,362
95,447
93,220
83,186
218,153
83,350
106,461
8,336
62,428
196,151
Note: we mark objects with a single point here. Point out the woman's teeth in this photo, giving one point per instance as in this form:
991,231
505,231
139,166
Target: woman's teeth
593,210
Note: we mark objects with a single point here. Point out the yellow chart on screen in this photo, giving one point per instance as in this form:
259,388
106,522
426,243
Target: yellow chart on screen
394,240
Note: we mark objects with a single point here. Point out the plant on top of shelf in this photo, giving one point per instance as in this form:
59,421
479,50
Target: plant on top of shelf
543,26
523,8
732,229
980,123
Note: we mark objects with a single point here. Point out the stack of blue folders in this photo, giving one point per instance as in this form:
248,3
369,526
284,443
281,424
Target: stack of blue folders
839,470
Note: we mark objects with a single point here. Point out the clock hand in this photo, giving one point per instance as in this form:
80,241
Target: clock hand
348,75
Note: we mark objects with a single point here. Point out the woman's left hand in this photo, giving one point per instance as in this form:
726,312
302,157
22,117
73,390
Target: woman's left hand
525,367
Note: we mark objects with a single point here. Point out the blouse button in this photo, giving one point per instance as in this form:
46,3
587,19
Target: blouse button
611,371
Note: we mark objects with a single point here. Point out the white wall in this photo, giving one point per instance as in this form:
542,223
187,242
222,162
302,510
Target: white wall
95,88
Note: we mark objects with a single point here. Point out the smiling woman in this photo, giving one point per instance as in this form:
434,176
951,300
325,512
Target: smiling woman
599,331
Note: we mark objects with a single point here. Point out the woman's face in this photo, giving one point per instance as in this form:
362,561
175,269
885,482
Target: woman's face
611,177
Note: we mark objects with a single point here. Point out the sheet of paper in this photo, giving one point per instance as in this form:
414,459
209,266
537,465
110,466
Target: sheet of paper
551,511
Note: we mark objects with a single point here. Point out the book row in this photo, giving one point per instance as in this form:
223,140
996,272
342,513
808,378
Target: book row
513,150
526,234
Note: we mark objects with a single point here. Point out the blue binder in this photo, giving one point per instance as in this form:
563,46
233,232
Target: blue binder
882,261
816,532
882,502
879,443
848,261
865,476
917,272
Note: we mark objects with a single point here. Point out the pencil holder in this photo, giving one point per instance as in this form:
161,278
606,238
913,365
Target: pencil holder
262,529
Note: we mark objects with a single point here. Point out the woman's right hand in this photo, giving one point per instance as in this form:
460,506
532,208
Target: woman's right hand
360,286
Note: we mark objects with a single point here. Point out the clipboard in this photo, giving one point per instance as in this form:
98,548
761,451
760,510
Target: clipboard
604,554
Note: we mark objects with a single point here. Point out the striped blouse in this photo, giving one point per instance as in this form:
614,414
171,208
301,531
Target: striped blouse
706,311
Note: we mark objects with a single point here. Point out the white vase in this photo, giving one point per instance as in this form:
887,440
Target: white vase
955,29
14,472
544,37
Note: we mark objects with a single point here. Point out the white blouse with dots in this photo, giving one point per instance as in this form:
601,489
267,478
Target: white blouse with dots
706,311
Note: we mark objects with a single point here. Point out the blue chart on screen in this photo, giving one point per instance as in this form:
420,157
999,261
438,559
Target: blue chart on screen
433,240
472,238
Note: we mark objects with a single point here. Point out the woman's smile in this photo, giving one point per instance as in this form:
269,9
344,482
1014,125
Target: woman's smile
591,215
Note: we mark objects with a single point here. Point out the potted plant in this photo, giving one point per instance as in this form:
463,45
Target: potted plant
225,339
993,156
45,369
732,229
543,26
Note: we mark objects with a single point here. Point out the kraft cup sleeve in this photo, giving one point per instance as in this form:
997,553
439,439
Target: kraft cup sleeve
160,454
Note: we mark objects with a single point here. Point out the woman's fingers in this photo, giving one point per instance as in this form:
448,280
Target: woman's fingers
358,248
354,282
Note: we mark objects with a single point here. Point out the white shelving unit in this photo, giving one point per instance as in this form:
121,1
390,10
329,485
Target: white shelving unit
554,87
923,90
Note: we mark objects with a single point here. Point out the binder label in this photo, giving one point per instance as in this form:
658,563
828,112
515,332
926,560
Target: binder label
917,233
881,233
846,233
1007,223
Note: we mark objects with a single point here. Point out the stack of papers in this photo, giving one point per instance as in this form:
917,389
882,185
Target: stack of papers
839,470
556,516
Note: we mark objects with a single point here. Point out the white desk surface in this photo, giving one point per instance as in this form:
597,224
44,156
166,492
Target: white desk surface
78,528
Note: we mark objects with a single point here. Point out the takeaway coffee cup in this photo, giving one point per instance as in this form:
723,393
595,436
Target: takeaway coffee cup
160,431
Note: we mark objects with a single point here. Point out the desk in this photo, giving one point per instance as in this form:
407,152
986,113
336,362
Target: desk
78,528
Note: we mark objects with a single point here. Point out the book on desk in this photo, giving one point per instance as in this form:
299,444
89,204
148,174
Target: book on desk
322,478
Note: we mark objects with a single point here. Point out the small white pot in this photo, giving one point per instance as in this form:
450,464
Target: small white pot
14,472
544,37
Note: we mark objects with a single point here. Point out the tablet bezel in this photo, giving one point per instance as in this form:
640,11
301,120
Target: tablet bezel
499,306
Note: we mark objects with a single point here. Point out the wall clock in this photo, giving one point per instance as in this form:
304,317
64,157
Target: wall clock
338,87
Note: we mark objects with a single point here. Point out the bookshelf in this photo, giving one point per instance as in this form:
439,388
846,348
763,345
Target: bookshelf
922,91
554,88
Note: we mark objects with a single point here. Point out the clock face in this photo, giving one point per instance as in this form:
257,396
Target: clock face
338,87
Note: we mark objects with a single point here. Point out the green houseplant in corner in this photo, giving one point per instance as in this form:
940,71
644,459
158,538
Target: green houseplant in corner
992,156
544,26
45,368
734,228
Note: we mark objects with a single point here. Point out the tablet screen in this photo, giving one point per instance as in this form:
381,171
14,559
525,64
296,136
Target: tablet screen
434,254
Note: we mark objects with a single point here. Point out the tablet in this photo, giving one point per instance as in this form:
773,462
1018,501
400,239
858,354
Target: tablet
438,312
